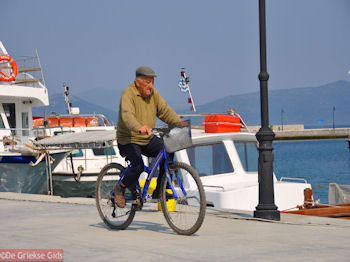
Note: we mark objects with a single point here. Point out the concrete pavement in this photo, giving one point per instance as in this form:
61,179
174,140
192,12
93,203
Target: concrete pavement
73,224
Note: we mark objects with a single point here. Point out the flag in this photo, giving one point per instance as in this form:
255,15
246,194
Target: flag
183,86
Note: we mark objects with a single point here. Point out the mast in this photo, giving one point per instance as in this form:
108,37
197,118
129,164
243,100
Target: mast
183,84
66,98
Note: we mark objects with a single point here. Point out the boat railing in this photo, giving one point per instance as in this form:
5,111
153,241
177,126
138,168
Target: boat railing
43,132
282,179
30,73
220,187
17,137
15,134
45,129
102,117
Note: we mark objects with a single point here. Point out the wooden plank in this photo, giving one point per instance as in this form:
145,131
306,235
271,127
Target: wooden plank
24,81
23,69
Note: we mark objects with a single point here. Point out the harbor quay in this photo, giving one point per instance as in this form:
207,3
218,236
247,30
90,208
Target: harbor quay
297,132
72,224
325,133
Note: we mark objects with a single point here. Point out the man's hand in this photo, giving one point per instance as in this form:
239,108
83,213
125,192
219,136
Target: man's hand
183,123
144,130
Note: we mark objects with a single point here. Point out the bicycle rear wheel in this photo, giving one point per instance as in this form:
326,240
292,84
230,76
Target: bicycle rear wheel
187,216
112,215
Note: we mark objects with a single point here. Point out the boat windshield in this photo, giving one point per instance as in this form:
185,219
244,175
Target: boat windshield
2,125
109,151
77,153
56,133
248,153
210,159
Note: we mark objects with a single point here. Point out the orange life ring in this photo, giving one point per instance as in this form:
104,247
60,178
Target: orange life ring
8,78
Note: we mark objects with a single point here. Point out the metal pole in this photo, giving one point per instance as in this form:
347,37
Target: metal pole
189,92
42,76
333,116
49,173
266,208
282,112
47,176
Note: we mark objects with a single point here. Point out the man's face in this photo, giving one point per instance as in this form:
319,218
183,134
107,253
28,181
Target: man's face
145,85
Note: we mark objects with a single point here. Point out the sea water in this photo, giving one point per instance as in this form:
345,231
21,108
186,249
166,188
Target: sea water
320,162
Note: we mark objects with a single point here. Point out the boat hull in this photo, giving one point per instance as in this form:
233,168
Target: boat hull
17,175
245,197
335,211
65,185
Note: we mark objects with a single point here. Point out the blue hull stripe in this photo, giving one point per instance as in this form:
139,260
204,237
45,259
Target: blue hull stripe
17,159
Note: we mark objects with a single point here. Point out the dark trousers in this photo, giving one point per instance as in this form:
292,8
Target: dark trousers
133,153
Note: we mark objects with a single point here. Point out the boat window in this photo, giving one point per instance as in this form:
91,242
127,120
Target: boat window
210,159
25,124
103,151
10,113
77,153
56,133
248,153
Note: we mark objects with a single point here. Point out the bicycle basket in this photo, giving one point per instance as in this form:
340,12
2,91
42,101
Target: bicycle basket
177,138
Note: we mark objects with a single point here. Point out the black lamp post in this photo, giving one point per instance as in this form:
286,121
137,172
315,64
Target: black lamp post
282,112
266,208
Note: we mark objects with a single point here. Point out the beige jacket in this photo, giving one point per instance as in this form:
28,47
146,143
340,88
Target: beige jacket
136,111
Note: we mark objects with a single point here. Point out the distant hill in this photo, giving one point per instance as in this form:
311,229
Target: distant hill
108,98
311,106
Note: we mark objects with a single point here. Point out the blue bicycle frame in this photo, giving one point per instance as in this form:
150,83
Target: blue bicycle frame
150,171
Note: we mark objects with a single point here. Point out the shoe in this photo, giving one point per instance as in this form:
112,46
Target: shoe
119,192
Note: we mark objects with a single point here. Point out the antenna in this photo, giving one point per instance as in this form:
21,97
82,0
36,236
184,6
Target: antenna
66,97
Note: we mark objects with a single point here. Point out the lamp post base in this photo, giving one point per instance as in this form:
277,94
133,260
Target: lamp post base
268,214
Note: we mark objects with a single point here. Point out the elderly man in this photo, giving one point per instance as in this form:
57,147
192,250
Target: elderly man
139,106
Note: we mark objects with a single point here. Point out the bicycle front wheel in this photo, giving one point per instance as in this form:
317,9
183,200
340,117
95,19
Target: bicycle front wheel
185,214
112,215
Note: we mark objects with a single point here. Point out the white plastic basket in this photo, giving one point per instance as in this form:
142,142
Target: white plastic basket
177,138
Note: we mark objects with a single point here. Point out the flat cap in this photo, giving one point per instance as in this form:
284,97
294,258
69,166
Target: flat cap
145,71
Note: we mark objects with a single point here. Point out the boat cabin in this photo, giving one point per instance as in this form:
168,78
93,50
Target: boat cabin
17,98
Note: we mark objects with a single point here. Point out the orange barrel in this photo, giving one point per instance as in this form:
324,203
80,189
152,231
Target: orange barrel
66,122
54,121
38,122
91,121
79,121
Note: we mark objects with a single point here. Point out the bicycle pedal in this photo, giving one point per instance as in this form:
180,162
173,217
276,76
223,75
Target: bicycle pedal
138,203
110,203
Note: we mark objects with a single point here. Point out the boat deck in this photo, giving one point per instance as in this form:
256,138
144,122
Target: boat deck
73,224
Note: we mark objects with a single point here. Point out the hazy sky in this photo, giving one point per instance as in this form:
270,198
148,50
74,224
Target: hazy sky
99,44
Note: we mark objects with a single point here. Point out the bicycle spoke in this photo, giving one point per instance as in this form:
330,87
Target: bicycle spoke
112,215
188,214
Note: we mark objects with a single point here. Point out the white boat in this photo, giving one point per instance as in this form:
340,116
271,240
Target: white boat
227,163
22,167
228,166
76,175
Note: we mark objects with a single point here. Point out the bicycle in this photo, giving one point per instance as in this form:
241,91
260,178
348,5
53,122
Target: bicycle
180,181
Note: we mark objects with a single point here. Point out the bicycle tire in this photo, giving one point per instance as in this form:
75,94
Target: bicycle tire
189,212
105,202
